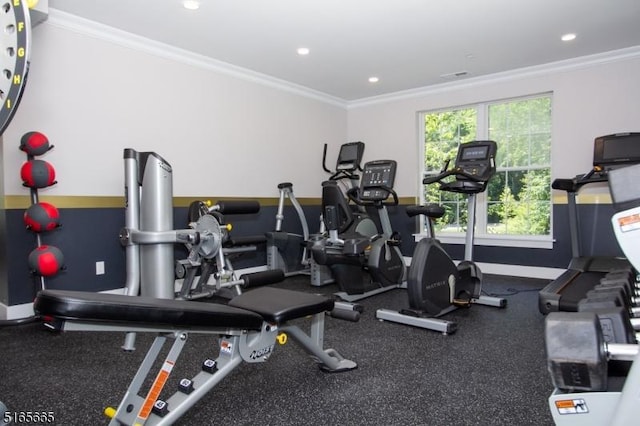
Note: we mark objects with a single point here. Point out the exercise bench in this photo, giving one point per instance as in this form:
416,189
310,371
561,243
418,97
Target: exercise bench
249,327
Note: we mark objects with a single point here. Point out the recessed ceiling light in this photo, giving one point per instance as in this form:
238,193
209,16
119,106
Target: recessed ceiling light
302,51
373,79
191,4
568,37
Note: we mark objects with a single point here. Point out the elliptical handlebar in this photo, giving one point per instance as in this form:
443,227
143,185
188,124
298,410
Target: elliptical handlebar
473,168
349,159
342,174
595,175
236,207
324,160
452,172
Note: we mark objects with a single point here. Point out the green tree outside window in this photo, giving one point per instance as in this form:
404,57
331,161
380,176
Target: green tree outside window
518,198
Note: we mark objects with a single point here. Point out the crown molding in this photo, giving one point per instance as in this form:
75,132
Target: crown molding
67,21
573,64
113,35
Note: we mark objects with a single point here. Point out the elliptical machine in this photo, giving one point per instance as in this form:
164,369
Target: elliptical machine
435,284
290,252
287,251
352,217
362,265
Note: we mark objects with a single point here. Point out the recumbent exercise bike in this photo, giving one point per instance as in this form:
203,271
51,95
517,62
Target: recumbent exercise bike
362,265
435,284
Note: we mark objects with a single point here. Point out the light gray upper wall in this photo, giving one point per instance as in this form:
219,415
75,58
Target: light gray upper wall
591,97
95,93
223,135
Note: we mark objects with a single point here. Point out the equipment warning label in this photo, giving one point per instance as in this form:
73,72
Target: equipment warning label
572,406
629,223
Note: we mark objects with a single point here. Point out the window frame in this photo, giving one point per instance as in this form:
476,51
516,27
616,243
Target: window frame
482,133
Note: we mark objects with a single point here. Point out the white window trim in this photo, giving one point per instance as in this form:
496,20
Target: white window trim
518,241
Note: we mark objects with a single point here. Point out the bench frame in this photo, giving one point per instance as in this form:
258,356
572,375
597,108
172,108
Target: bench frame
236,345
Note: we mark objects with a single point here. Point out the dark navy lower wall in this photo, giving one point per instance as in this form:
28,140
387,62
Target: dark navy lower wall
596,232
85,237
90,235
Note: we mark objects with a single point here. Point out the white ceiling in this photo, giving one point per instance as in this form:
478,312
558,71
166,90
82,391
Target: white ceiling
408,44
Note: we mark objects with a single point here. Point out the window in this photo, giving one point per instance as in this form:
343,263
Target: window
517,203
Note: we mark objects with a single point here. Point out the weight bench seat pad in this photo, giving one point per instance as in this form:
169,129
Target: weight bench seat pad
278,305
118,308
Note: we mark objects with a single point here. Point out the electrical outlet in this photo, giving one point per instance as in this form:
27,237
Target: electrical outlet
100,268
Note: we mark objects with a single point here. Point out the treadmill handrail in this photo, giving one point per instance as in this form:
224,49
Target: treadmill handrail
576,183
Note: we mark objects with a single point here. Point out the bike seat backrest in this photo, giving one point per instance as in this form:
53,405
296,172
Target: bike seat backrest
332,195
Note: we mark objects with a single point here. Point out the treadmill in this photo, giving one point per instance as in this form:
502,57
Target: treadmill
584,272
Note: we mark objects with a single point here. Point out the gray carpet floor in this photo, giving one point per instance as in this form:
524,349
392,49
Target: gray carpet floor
492,371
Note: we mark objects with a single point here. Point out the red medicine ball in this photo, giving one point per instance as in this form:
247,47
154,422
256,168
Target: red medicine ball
37,174
46,260
42,217
34,143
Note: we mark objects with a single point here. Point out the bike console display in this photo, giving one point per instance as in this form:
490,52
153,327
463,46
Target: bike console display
477,159
475,165
377,180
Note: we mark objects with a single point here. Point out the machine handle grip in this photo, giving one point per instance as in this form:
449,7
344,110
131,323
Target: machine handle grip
469,176
345,314
445,166
257,279
431,210
454,172
331,218
284,185
324,160
237,207
354,195
248,240
393,193
436,178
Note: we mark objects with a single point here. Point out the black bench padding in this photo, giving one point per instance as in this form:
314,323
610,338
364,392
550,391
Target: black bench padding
246,311
278,305
101,307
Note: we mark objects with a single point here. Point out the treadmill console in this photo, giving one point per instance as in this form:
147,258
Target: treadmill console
377,180
609,152
620,149
477,158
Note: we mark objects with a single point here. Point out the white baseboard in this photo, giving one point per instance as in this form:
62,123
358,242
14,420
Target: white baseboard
16,312
513,270
521,271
